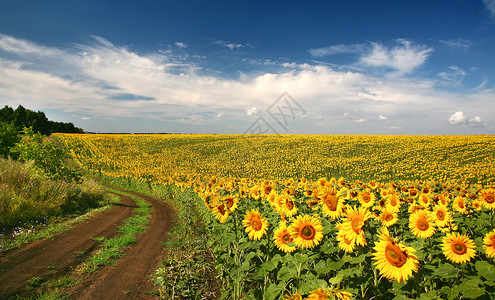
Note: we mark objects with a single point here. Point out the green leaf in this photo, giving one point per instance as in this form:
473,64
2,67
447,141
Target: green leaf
429,296
273,291
453,293
446,271
334,265
321,268
311,285
285,273
269,265
486,270
337,279
470,288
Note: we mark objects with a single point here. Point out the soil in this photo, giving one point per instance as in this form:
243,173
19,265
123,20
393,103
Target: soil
128,279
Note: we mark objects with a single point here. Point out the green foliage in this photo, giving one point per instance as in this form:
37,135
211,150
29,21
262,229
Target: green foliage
22,117
8,138
26,195
47,155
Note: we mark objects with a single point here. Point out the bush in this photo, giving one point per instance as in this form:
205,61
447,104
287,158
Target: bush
47,154
8,138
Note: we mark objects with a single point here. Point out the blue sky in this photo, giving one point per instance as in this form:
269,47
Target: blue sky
322,67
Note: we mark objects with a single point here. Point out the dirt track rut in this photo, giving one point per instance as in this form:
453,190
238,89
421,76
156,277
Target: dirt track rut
129,279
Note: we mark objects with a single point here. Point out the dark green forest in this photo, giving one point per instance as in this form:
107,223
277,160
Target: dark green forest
13,121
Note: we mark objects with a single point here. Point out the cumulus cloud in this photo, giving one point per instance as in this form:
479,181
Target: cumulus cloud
458,118
102,80
382,117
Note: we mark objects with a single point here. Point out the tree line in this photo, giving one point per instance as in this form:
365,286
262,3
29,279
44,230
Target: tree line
13,122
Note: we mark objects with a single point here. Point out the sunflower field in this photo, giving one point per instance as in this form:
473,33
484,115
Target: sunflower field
327,217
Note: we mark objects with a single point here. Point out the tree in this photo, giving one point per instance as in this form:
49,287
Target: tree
8,138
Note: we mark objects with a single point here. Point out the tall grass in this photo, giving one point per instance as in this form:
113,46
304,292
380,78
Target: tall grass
27,196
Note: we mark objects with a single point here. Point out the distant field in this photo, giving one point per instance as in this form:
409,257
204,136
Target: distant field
447,159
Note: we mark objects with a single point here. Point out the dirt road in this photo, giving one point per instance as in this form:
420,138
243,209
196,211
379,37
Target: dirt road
129,279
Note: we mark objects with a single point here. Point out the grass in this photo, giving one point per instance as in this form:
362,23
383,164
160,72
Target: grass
110,251
113,249
52,226
187,270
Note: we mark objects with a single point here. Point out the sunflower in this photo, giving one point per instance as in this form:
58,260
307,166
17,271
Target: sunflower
345,244
366,198
221,212
282,238
487,197
388,218
254,192
324,294
460,205
441,215
306,231
421,224
288,207
393,202
295,296
393,259
231,202
256,225
458,248
331,204
424,200
489,244
353,223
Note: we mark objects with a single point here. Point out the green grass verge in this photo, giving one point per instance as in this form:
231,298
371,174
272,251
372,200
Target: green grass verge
113,249
54,226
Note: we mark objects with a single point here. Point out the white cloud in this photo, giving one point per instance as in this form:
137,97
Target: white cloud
490,5
459,44
458,118
88,79
404,57
251,111
232,46
382,117
454,74
360,121
338,49
180,45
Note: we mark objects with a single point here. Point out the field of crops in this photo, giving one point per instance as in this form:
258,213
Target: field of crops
328,216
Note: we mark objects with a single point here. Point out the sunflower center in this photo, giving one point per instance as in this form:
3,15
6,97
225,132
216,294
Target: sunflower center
382,202
440,215
413,193
461,204
423,224
289,204
459,248
393,202
395,256
356,224
230,202
331,202
366,198
221,209
286,238
490,199
308,232
388,217
256,224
